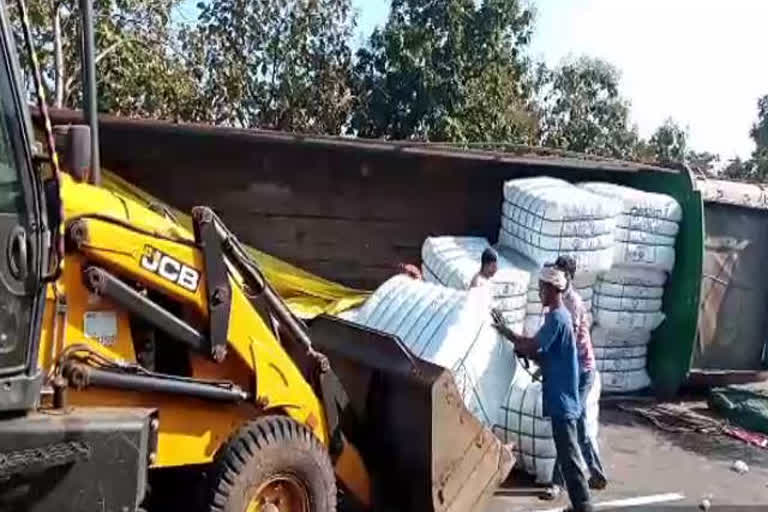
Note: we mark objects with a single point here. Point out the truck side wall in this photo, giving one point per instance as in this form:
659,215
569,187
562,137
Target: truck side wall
734,296
352,215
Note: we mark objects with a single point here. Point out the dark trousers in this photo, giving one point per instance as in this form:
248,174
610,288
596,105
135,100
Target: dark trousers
588,450
569,461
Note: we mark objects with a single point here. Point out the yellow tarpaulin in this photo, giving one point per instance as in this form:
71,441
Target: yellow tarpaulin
306,294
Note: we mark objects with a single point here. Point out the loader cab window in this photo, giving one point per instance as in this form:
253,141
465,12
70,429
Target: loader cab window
11,187
20,260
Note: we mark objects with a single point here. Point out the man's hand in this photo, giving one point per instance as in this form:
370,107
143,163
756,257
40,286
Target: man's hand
506,332
526,347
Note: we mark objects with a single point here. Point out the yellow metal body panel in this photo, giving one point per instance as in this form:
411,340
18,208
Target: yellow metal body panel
191,430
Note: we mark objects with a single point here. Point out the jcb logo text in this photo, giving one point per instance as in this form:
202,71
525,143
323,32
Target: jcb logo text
170,269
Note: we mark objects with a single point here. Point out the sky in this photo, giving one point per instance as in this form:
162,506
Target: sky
702,62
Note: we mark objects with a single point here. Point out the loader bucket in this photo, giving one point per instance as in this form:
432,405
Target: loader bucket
424,450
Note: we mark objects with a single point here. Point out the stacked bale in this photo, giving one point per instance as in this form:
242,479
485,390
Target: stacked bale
627,302
452,328
543,218
621,358
524,425
646,229
453,261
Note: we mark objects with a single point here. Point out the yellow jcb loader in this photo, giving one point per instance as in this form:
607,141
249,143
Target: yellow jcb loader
130,347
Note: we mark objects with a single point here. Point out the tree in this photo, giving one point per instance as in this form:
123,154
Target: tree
737,169
759,134
446,71
581,110
139,71
756,168
669,143
281,64
703,162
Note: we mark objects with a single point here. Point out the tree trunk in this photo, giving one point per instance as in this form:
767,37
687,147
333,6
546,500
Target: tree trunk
58,55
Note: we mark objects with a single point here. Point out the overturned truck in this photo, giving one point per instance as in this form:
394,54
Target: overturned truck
351,210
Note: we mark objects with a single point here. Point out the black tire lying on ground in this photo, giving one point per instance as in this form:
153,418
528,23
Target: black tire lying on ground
273,464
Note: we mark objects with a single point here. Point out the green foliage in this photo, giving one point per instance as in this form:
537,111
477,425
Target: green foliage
669,143
759,134
756,168
737,169
703,162
446,71
281,64
582,110
138,68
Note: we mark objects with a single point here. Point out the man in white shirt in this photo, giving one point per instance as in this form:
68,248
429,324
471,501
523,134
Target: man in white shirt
488,267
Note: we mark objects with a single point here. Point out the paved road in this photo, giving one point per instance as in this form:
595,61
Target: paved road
643,461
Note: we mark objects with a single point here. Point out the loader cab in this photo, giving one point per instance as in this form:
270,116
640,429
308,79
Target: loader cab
23,239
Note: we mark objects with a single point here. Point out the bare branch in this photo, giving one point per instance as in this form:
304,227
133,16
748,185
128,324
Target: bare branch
58,55
109,49
76,77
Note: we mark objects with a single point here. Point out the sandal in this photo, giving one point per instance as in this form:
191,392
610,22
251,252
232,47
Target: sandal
551,493
598,482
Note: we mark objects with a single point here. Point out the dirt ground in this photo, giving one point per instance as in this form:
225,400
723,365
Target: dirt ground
641,461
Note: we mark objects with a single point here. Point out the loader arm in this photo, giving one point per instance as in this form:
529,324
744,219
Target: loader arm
245,347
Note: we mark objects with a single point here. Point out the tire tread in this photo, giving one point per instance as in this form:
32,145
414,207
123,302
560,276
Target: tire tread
246,444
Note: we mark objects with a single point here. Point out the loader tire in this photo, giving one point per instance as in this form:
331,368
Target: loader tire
273,464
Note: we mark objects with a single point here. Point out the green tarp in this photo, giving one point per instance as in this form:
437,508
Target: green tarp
743,405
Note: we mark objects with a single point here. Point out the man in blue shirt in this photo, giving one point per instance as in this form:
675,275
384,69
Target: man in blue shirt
555,348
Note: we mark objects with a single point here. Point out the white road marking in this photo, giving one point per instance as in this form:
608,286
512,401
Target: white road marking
629,502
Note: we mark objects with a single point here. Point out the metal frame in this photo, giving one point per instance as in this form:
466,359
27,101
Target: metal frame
218,291
82,375
220,243
101,282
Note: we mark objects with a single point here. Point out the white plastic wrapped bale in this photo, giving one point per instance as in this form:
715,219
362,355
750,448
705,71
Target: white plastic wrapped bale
619,338
450,328
647,227
453,261
625,381
629,298
621,357
545,217
531,433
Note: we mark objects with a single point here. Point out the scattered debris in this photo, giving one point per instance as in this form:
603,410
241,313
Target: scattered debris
676,418
679,418
748,437
740,467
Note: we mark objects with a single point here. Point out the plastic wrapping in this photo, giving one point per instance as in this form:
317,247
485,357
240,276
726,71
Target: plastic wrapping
450,328
531,432
646,228
543,218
